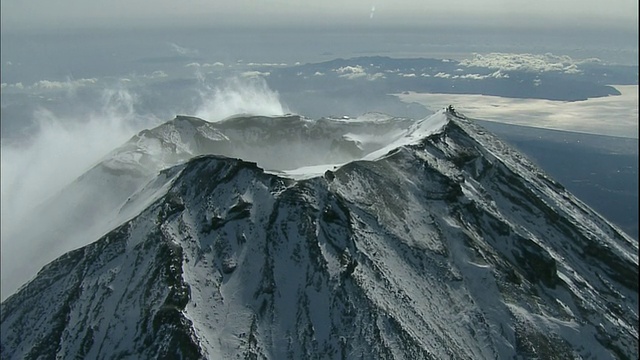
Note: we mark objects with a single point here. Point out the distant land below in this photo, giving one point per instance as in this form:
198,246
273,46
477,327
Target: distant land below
506,75
600,170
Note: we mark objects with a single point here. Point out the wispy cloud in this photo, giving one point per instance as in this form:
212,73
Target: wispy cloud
255,73
180,50
266,64
59,149
51,85
205,65
70,86
63,85
17,86
495,75
239,95
158,74
357,72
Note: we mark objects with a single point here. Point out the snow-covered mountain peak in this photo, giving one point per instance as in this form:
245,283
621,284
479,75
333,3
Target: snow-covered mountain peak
436,241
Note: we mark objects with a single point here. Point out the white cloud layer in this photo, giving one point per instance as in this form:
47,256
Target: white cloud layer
612,115
526,62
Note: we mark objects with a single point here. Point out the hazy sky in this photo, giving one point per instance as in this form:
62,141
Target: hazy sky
72,13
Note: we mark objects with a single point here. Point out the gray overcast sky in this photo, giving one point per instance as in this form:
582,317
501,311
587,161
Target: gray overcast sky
72,13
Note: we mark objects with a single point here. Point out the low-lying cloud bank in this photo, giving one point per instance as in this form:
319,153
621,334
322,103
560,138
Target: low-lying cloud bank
527,62
612,115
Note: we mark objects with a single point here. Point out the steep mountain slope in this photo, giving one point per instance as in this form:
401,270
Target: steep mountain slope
93,202
445,244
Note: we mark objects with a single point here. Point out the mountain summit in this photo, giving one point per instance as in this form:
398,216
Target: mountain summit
397,239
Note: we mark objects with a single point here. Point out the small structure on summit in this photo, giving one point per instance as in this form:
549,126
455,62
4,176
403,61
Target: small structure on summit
450,110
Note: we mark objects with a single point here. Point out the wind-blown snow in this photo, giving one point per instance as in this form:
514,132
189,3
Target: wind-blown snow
391,140
418,131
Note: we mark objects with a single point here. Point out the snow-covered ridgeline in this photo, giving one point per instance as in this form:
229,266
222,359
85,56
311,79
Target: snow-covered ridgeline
448,245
